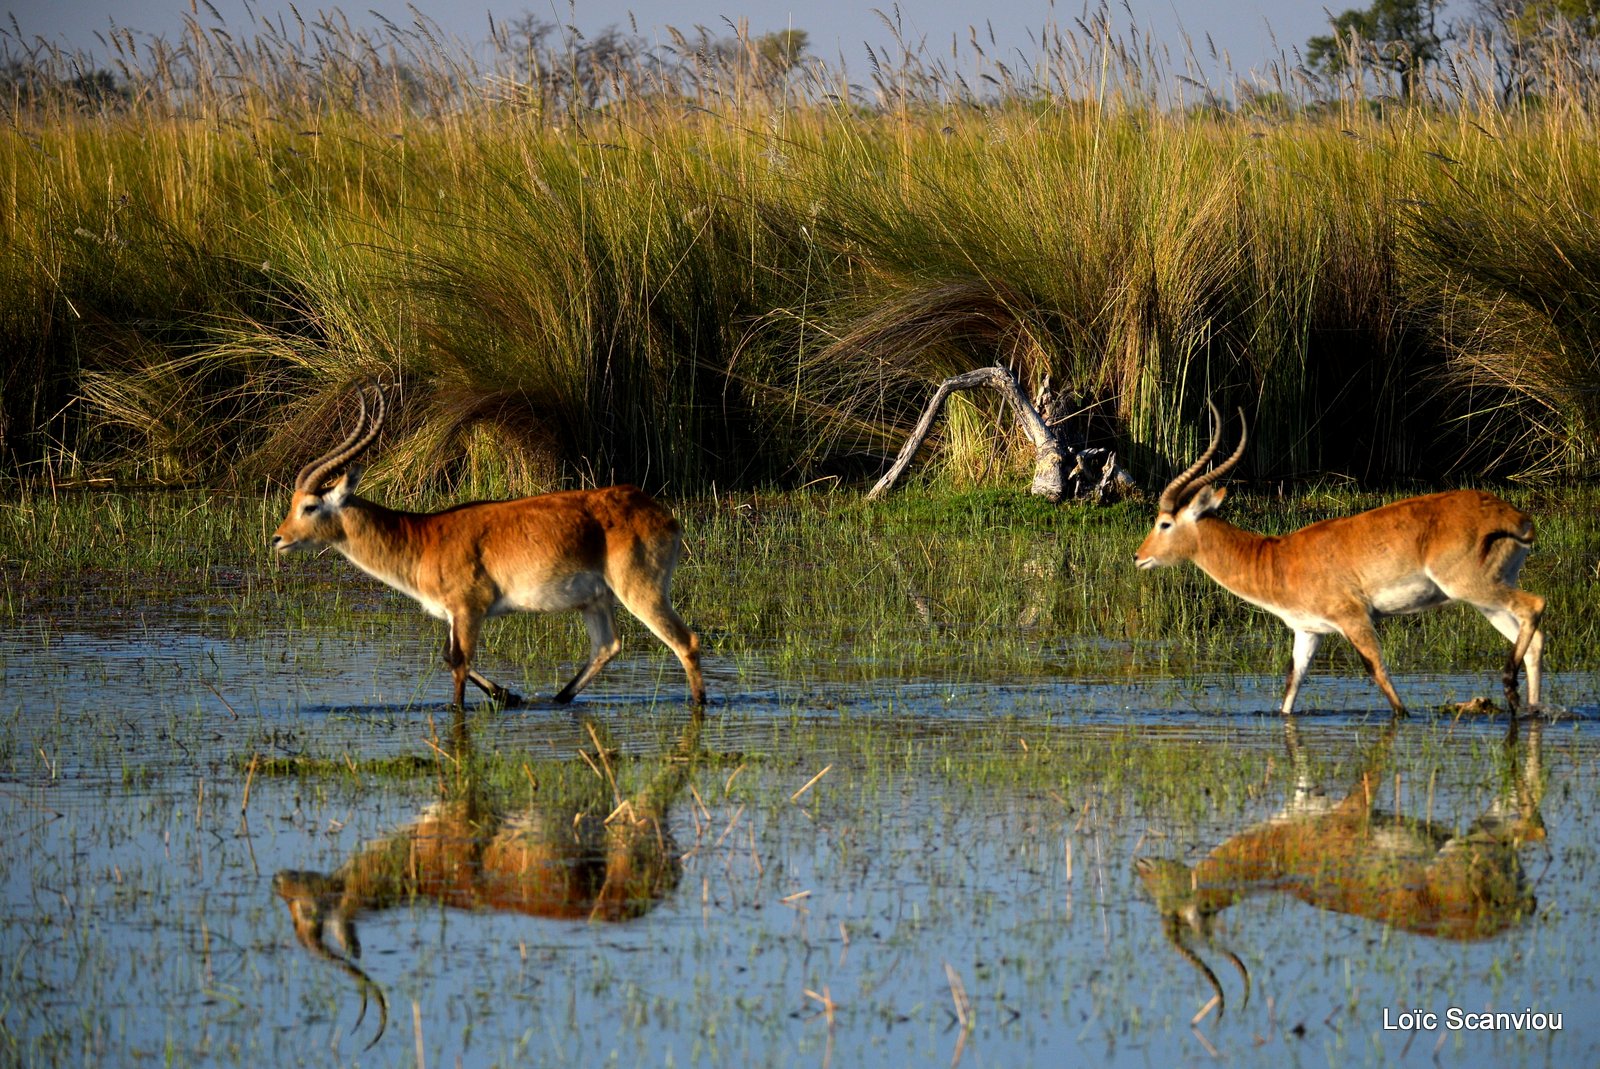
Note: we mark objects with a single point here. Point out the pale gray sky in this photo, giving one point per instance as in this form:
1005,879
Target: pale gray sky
1252,32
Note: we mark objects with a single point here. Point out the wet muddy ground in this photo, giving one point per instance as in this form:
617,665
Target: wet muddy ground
1064,869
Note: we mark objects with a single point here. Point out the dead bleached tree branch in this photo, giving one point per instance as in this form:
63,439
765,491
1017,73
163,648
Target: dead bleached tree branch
1049,478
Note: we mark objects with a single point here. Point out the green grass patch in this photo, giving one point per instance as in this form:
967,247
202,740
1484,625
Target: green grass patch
808,587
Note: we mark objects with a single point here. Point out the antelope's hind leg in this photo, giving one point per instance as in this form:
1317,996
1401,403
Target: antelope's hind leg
599,617
642,580
1305,648
1515,613
1519,620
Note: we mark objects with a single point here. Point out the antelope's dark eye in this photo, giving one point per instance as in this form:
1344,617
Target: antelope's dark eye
1163,525
308,508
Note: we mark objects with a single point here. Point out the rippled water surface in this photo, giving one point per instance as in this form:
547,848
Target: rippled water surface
1041,871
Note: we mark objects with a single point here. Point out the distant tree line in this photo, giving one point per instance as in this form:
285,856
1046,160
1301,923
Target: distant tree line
1533,45
90,90
1526,38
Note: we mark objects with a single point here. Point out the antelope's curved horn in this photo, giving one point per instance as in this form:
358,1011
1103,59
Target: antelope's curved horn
1169,496
316,473
1186,484
1175,937
367,983
1227,465
1244,973
311,939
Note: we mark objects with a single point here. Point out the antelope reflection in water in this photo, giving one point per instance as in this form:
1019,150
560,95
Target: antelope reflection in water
1344,854
586,855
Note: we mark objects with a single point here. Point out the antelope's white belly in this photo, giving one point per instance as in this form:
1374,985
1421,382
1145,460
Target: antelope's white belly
1299,621
1397,598
555,594
1414,593
534,592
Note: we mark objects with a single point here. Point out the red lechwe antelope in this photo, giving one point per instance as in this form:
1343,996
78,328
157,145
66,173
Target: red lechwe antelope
1345,855
1341,575
581,549
559,858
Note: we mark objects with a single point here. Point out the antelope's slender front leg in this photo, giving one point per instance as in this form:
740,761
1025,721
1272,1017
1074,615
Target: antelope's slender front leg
464,627
499,695
1305,647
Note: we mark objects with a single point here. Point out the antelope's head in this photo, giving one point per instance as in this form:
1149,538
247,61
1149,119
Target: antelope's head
324,486
1186,499
314,905
1171,885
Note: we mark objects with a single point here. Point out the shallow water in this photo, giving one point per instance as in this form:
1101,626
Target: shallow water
961,885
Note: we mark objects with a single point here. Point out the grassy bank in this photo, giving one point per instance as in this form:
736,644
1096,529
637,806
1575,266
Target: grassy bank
723,274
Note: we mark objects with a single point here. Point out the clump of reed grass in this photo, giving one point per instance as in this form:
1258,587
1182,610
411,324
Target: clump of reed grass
724,264
1517,292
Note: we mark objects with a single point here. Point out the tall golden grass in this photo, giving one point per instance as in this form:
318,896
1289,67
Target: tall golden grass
709,265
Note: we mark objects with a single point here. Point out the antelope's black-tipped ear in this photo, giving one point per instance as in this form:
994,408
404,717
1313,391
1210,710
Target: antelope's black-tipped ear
1206,499
337,494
